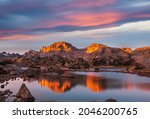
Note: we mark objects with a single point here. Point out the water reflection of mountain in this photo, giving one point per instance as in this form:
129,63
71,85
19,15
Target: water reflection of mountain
56,86
95,84
61,85
144,86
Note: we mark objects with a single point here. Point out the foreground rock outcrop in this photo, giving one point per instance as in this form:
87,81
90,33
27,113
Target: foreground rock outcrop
24,94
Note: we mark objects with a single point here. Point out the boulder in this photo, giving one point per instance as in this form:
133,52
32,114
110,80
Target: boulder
111,100
96,70
25,94
7,92
2,86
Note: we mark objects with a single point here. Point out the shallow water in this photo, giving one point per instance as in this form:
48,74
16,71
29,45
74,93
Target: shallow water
86,86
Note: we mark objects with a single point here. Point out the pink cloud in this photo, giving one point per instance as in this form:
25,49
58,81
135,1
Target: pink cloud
87,19
90,19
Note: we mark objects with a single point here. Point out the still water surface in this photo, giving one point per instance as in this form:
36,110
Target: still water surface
86,86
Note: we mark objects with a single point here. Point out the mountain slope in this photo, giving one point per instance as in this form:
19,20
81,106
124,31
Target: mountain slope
142,56
98,54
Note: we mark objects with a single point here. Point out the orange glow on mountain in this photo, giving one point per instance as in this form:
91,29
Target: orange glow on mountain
144,48
128,50
94,47
55,86
93,84
58,46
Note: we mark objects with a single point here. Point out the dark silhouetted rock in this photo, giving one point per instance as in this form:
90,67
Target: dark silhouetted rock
111,100
2,86
7,91
25,94
96,69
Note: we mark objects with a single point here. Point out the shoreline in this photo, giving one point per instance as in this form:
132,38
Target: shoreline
6,94
144,72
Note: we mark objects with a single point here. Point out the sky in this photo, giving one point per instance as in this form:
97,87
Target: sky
32,24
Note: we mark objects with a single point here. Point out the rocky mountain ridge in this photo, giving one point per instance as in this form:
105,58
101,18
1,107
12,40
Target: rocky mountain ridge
94,47
64,55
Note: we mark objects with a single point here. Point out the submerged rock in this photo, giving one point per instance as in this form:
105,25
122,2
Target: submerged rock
2,86
25,94
7,92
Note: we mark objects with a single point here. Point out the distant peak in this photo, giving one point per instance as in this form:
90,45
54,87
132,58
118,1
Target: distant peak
94,47
31,53
59,46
